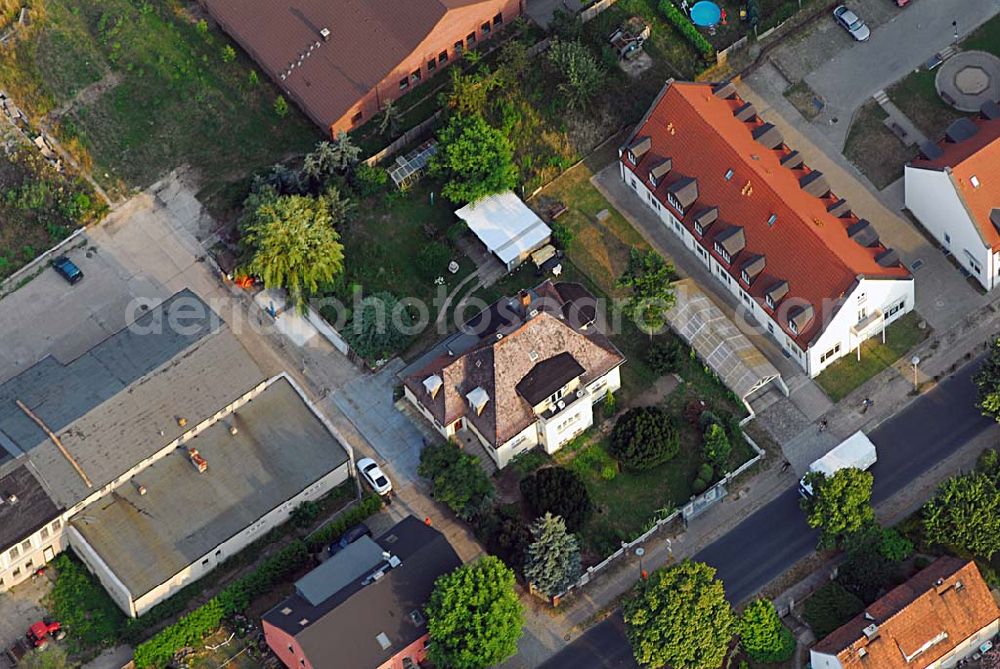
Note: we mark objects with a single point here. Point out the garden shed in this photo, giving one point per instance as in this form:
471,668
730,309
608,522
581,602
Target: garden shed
509,229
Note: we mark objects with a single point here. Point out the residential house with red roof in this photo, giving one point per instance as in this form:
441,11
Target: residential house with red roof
342,61
800,262
940,616
953,189
524,372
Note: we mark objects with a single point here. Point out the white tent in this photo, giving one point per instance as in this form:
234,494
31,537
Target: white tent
508,228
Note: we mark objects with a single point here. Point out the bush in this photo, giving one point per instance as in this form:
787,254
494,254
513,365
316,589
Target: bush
610,404
716,446
699,486
609,472
318,540
82,606
457,479
686,28
705,472
707,418
432,260
280,106
560,492
665,356
644,437
368,181
894,546
305,514
763,636
830,607
562,234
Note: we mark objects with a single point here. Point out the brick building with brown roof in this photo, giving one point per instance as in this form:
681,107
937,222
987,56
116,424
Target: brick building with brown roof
940,616
341,61
795,256
953,189
529,373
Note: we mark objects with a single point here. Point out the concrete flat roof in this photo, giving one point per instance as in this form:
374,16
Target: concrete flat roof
280,449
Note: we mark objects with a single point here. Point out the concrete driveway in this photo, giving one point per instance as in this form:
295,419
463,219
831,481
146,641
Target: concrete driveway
20,607
845,73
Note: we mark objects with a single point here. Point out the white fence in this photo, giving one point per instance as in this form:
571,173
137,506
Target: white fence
713,494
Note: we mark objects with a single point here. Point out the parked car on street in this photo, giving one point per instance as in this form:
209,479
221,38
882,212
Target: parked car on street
67,269
852,23
348,538
371,472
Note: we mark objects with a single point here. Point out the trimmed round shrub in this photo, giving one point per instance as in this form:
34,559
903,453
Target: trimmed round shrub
705,472
560,492
699,486
644,438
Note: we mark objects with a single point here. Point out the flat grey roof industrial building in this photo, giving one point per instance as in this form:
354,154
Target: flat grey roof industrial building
280,448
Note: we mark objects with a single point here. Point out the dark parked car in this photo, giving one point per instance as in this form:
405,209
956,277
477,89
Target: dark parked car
67,269
348,538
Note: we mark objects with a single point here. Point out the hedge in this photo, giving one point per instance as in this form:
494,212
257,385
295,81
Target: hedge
686,28
370,505
237,596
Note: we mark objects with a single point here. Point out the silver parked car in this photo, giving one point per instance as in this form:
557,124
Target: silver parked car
374,475
852,23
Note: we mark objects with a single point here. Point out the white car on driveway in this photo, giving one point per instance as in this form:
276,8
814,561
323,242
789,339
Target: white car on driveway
852,23
373,474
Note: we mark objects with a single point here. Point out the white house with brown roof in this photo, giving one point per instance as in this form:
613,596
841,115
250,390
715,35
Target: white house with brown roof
940,616
534,368
953,189
766,226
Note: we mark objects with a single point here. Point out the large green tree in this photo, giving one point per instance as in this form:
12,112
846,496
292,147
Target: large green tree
867,571
473,159
457,479
291,241
679,617
553,560
840,504
762,635
650,279
474,617
965,515
559,491
987,382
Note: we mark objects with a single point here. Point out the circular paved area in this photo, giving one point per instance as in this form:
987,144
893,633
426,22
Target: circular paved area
968,79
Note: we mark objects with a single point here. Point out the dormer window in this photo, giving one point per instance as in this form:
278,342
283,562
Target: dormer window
630,156
793,327
698,230
637,149
723,253
752,268
674,203
745,277
659,170
769,301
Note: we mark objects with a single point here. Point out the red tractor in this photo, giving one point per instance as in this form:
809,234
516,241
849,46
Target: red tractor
40,632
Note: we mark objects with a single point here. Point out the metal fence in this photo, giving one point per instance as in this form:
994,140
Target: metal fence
685,513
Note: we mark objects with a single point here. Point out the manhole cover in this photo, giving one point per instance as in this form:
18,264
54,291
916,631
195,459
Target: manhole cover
916,264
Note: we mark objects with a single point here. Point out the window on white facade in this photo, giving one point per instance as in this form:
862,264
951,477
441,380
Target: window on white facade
894,309
830,354
862,298
634,184
770,328
555,397
56,524
16,572
947,238
15,553
26,545
45,533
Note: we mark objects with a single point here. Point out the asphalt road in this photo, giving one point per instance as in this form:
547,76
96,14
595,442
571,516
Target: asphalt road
774,538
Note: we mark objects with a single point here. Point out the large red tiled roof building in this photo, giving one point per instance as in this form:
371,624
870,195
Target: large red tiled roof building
341,61
953,189
769,228
940,616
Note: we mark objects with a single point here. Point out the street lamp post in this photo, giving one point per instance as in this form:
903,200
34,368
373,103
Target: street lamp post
639,552
915,360
954,25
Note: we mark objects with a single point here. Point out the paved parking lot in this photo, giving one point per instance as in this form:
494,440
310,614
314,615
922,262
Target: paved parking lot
20,607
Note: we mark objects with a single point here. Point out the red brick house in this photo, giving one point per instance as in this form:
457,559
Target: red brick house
342,60
363,607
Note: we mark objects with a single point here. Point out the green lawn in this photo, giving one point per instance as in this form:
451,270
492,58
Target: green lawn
843,376
625,505
874,149
916,96
166,96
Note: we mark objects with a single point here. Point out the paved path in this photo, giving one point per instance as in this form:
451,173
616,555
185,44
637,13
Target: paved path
775,537
913,134
895,49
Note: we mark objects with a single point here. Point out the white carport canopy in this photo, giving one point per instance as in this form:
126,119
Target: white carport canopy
508,228
717,340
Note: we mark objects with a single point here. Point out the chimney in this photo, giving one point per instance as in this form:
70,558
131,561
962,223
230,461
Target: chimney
525,298
325,34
